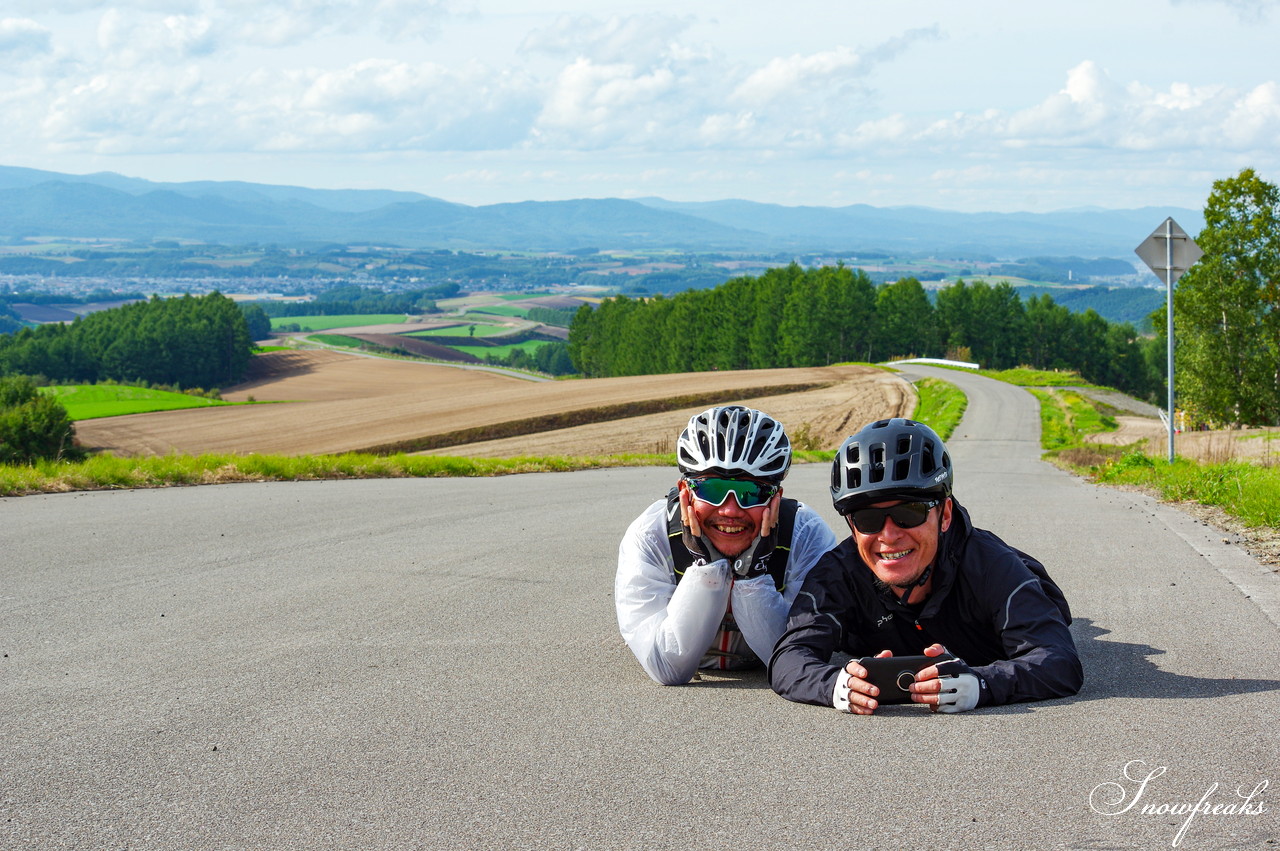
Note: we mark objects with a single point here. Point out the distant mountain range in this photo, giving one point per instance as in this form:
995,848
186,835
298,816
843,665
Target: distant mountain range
37,203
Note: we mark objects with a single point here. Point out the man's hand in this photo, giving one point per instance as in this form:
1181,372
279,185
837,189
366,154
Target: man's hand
691,532
754,560
853,692
955,689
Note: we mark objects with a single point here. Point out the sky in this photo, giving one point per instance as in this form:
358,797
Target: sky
973,106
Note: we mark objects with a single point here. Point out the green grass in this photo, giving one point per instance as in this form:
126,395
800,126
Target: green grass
1246,491
338,340
108,471
462,331
259,350
1067,417
1024,377
941,405
523,296
91,401
324,323
104,472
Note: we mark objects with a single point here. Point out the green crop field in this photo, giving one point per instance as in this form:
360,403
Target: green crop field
324,323
91,401
338,340
522,296
462,331
529,346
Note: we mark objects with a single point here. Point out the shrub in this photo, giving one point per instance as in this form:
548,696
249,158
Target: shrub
32,426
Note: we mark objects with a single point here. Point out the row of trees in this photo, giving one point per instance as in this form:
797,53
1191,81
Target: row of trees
342,300
551,358
811,317
192,341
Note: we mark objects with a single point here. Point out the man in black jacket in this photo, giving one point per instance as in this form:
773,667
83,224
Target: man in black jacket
916,578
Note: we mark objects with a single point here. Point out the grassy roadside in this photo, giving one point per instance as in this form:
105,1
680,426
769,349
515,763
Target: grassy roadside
109,472
1248,494
941,406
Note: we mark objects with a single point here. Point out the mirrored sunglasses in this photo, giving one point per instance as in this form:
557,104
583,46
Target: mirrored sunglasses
716,491
907,515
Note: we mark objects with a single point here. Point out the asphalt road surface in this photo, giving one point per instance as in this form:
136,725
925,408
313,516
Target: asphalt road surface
435,664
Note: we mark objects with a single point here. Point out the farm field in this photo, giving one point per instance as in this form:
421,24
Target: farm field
462,331
502,310
343,402
89,401
1260,445
327,323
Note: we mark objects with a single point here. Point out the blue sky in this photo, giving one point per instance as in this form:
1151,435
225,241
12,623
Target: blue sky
963,106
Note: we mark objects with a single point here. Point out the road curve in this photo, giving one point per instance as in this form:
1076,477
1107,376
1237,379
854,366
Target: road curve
434,663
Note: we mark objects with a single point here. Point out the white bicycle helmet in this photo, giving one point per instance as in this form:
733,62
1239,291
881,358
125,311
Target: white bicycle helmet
734,442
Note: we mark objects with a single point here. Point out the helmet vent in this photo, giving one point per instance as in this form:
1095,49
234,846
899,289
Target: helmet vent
928,463
901,469
877,463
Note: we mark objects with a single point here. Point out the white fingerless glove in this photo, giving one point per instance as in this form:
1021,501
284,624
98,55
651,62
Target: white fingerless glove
961,688
840,694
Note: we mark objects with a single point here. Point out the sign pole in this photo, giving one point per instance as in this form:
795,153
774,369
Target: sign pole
1168,288
1180,254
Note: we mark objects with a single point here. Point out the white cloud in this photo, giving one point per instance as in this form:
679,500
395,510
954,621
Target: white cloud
1093,112
129,39
1249,11
129,112
1254,119
590,104
637,39
785,76
21,38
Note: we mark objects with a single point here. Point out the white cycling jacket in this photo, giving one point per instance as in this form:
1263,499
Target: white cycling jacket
673,629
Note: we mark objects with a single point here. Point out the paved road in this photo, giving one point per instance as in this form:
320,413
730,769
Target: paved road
435,664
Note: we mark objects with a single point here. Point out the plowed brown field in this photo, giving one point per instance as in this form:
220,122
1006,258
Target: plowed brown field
338,402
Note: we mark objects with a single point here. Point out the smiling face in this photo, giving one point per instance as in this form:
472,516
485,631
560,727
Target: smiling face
899,556
729,527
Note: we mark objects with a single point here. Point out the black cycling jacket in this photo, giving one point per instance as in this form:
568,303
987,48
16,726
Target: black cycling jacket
992,606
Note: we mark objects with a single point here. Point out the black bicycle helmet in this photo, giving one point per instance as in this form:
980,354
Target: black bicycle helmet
734,441
890,459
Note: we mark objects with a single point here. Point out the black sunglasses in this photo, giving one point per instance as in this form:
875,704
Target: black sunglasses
907,515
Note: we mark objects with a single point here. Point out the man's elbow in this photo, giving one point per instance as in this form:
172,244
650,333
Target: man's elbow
1074,677
664,673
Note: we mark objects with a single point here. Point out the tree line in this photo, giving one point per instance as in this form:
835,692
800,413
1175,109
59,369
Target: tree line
793,316
187,342
551,358
342,300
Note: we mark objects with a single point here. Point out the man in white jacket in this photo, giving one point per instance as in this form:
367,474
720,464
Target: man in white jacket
706,576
